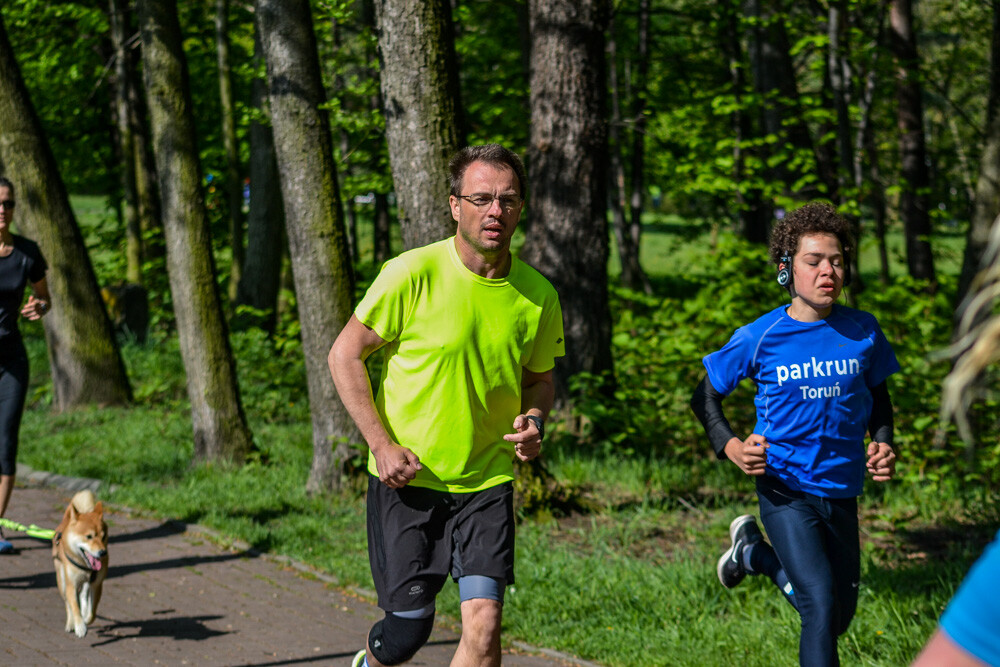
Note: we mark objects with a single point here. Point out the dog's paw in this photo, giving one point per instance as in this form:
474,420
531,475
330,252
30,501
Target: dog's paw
81,629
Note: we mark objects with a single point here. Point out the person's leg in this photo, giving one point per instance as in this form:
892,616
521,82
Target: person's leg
397,637
13,391
483,565
6,486
844,548
409,562
480,643
799,536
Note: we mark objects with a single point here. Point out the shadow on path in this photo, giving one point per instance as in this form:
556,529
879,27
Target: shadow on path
173,627
328,656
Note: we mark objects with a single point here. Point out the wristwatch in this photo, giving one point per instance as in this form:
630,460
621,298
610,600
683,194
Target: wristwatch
539,424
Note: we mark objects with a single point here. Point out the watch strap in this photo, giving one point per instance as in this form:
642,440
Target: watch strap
539,424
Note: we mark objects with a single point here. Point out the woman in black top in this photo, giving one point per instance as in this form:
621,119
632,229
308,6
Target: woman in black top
21,262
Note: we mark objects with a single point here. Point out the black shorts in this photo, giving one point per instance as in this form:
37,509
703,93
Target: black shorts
418,536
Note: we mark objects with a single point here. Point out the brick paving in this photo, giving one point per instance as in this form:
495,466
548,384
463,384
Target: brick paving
174,597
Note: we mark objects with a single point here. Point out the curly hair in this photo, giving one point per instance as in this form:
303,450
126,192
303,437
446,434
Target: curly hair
812,218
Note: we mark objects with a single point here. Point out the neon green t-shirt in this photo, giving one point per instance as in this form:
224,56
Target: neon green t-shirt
451,383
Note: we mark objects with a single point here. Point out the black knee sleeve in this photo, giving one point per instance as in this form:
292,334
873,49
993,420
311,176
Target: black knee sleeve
395,639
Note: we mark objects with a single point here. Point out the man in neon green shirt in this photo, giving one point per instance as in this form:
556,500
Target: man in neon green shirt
470,335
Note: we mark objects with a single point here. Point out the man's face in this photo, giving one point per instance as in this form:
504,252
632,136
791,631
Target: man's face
818,270
487,228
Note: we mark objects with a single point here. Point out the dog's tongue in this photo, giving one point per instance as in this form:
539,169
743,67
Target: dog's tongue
95,563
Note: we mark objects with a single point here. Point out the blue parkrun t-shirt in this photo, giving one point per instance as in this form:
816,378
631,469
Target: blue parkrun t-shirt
813,396
972,618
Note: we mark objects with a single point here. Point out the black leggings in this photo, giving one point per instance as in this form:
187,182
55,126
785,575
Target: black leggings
13,391
817,542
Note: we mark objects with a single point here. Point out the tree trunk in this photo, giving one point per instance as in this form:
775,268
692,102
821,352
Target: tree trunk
419,79
752,215
381,229
220,428
324,280
86,364
864,143
119,18
233,182
628,232
840,74
914,177
617,171
987,200
568,154
781,116
879,209
637,277
261,278
339,92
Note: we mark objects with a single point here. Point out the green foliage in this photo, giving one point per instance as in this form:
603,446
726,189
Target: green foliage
59,49
658,345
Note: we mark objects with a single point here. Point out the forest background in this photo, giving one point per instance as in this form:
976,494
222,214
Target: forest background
184,360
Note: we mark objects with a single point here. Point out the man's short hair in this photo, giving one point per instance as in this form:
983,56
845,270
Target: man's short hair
813,218
493,154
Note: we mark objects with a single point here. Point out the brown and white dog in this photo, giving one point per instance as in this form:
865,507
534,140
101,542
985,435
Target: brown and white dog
80,554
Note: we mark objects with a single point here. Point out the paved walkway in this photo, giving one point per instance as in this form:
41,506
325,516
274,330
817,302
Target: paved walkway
173,597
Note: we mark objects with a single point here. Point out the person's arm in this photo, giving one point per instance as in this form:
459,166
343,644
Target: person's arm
538,392
942,650
38,303
749,454
396,465
881,456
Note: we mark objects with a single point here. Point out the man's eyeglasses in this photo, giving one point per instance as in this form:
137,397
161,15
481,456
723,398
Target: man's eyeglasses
9,204
482,200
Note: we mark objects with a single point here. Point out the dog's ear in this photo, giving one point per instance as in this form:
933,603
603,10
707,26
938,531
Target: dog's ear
99,507
72,513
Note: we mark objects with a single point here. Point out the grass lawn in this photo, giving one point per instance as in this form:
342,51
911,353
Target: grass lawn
629,580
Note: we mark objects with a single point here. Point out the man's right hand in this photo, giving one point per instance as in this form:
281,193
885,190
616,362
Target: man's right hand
750,454
396,465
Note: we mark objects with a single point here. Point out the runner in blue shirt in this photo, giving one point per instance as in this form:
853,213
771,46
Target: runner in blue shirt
820,370
969,632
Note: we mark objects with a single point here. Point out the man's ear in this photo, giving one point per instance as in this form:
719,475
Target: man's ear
454,203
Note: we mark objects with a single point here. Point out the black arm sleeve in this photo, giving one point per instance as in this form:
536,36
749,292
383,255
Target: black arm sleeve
880,425
707,405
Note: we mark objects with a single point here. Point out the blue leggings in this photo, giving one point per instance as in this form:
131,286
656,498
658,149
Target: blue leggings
13,390
816,540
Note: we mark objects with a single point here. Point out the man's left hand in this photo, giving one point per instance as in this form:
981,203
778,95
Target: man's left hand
881,461
526,439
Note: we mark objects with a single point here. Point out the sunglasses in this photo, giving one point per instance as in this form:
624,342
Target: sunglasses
7,204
